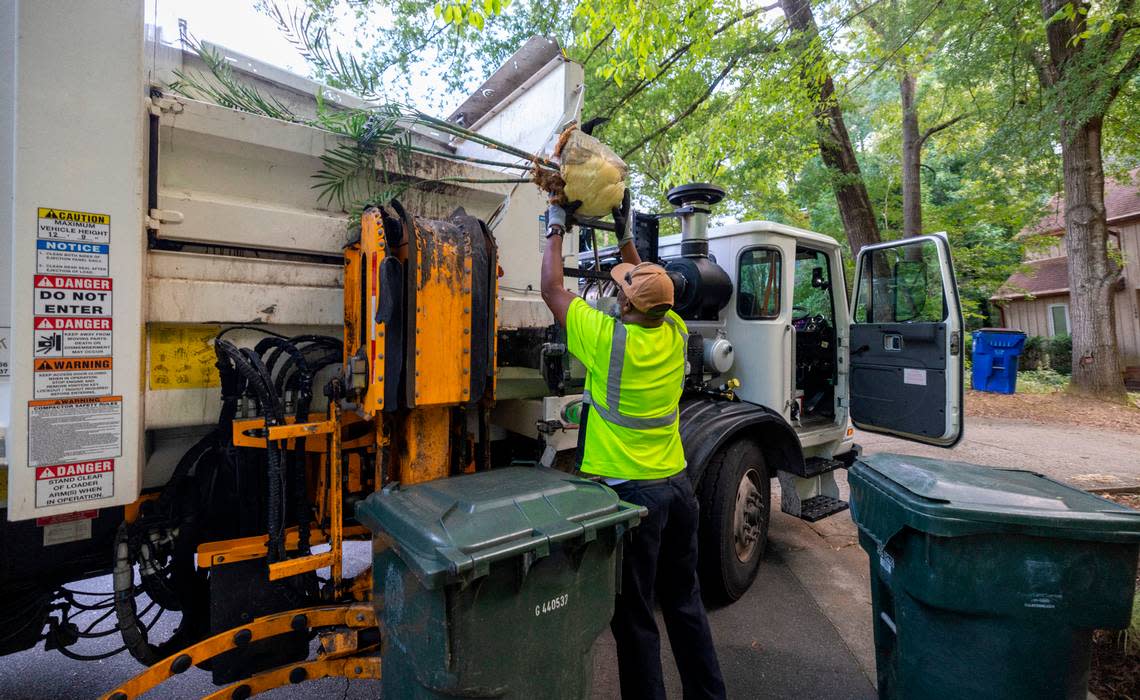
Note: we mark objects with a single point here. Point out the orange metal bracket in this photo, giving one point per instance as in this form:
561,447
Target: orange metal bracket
245,548
355,616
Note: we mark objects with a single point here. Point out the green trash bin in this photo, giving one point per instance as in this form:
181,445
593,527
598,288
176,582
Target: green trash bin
988,583
494,584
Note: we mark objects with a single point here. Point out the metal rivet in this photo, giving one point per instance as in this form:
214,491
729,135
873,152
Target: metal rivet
380,356
357,670
299,622
466,351
466,371
466,331
242,637
417,373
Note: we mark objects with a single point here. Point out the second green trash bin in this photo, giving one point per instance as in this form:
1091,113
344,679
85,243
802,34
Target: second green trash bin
988,583
494,584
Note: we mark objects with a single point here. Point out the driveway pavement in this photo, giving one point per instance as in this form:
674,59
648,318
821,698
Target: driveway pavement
803,630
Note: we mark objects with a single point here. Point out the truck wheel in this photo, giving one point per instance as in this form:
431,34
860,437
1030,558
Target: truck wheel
735,496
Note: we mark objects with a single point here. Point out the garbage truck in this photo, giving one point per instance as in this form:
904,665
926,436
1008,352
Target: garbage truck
211,378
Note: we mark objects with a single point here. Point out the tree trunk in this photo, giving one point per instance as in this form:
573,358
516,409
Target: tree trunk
835,147
1092,275
911,159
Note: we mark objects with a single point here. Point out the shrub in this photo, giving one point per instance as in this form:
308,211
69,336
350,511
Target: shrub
1061,354
1033,356
968,346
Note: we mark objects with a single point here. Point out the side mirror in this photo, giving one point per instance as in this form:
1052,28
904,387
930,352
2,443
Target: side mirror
817,280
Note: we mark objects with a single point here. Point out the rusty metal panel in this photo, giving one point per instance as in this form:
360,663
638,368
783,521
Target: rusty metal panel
439,285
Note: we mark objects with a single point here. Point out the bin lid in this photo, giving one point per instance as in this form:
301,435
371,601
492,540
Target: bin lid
890,492
454,528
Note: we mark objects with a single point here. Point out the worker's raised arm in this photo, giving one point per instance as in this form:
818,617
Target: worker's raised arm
624,229
556,296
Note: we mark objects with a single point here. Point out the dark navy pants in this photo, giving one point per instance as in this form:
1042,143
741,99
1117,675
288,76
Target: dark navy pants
660,563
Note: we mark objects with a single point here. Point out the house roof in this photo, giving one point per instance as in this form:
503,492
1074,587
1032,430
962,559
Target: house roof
1040,278
1121,203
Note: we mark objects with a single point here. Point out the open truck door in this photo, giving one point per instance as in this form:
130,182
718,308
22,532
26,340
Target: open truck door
906,342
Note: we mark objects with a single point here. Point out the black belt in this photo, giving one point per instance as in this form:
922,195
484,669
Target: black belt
651,482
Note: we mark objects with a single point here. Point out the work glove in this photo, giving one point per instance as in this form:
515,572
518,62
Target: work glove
622,227
562,215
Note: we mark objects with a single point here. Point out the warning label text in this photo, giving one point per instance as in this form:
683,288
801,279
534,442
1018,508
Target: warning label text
67,225
60,295
68,377
74,430
72,258
72,337
72,483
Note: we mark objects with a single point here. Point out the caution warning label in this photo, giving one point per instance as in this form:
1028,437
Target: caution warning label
68,377
72,337
5,352
72,258
61,484
74,430
64,295
67,527
67,225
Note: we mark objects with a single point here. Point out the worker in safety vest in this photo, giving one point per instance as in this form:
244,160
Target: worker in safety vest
635,371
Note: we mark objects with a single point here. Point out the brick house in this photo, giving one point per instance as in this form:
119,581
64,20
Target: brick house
1036,299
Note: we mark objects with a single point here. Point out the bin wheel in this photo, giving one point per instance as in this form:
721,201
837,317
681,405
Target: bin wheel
735,498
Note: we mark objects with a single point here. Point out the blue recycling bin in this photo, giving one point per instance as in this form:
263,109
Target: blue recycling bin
995,359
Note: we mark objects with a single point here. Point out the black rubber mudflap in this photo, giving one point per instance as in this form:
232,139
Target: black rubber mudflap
819,507
240,592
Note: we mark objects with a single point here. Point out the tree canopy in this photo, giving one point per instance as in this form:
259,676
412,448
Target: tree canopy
727,91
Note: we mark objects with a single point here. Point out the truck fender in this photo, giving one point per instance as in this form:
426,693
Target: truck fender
708,424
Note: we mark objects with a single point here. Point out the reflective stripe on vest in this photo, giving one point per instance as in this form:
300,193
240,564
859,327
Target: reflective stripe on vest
613,387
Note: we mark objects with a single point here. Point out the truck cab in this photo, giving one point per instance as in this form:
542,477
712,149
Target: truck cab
783,365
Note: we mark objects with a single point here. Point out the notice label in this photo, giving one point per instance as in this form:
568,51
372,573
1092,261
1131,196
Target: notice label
73,430
67,225
61,484
68,377
72,258
181,356
60,295
67,527
73,337
5,352
916,377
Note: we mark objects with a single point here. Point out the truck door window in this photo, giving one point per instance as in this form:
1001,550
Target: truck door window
758,284
812,295
901,285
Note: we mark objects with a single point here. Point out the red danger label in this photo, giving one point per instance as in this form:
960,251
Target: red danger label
68,517
98,466
91,284
73,324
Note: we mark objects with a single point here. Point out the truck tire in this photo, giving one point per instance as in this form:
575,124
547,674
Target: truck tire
735,496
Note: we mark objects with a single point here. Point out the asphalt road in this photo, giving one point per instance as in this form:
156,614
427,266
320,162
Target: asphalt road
773,643
803,630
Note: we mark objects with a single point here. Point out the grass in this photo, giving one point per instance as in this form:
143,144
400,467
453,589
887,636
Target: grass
1041,381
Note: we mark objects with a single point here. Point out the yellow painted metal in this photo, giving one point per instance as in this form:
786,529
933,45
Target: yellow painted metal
355,615
297,430
364,294
301,565
336,499
245,429
245,548
440,367
357,667
426,452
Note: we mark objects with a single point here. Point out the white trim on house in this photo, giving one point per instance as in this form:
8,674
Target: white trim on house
1068,326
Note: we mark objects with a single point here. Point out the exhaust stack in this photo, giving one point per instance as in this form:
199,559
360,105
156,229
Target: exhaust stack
701,287
693,203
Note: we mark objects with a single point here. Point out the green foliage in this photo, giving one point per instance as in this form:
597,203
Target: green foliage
1061,354
1035,354
1041,381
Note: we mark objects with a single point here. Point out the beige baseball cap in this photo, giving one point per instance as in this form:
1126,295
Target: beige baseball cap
646,285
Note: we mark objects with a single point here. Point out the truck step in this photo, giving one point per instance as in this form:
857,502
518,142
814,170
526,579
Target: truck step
819,507
814,466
